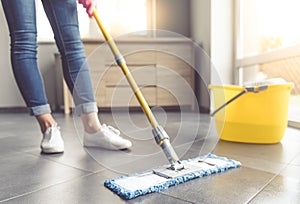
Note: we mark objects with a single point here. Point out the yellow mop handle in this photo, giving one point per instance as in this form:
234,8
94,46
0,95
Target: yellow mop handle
122,64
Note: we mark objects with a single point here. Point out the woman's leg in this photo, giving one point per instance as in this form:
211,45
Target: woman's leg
64,21
20,16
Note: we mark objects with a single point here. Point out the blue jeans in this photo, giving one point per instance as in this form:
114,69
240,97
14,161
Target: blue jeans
62,15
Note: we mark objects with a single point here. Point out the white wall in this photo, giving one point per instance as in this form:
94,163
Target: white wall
201,34
47,67
173,15
222,41
200,22
9,94
212,26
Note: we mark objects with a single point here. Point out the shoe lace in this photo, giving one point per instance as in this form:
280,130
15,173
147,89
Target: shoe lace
49,131
116,131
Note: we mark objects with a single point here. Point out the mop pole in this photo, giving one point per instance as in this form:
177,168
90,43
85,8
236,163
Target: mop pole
161,137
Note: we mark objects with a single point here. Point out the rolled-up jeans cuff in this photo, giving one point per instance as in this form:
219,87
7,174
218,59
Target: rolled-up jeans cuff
40,110
86,108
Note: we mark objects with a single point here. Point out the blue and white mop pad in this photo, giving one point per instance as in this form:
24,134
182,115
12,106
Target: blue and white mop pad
132,186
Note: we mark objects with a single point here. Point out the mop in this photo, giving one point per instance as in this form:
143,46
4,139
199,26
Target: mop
177,171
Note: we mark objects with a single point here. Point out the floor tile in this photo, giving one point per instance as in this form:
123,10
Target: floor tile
126,163
22,143
13,125
232,186
270,157
291,171
280,190
296,161
21,174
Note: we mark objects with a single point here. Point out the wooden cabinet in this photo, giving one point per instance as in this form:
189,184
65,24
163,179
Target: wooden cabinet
161,67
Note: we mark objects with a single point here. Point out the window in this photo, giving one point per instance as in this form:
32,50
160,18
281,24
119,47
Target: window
123,16
268,44
119,16
267,25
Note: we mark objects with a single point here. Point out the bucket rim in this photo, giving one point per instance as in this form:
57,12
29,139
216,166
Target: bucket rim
240,88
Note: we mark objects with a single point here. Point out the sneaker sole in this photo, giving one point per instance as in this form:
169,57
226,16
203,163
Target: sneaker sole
52,151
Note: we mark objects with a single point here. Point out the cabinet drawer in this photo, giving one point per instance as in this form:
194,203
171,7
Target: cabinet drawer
141,57
161,67
144,75
123,96
175,92
180,51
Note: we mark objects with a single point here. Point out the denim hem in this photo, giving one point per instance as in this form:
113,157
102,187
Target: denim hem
40,110
86,108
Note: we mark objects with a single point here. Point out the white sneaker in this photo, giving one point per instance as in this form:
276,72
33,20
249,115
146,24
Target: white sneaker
107,138
52,141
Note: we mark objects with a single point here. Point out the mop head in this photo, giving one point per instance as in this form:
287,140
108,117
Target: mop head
149,181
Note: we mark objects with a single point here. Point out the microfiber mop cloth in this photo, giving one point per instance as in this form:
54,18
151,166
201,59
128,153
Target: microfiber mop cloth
132,186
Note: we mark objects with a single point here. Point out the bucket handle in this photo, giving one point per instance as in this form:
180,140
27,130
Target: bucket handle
253,89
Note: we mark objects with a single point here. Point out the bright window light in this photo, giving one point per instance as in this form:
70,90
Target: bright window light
269,24
280,19
119,16
123,16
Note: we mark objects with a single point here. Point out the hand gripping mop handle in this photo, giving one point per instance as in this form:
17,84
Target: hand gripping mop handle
161,137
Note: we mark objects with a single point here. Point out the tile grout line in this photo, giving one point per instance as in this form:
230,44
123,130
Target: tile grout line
264,186
175,197
66,165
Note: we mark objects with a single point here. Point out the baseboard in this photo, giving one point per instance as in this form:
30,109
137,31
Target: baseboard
139,109
106,109
13,110
186,108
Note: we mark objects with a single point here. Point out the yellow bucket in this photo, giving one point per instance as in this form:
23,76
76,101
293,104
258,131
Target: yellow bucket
253,117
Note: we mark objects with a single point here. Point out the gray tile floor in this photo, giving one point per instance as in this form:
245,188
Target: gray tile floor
269,173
